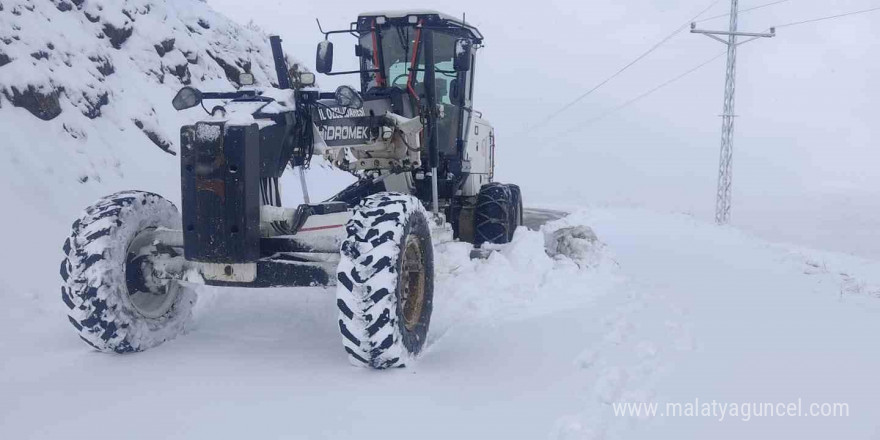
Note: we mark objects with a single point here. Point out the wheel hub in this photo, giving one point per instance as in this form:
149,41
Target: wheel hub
412,281
151,273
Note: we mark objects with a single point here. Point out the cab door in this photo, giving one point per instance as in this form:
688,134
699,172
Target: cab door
463,94
453,92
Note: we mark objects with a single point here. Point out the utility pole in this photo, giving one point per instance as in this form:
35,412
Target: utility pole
722,201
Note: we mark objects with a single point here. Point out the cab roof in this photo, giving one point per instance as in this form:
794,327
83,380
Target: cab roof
429,14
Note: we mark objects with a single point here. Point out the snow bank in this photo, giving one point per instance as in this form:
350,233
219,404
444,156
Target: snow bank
534,281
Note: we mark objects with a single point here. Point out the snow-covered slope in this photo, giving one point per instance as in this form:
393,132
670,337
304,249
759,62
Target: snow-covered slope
85,92
85,81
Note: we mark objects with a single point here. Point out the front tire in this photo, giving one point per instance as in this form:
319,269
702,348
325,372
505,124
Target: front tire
386,281
116,303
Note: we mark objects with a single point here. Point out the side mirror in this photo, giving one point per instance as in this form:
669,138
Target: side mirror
462,58
324,57
246,79
187,97
347,97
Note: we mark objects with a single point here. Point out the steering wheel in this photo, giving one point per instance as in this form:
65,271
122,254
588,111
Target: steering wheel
402,75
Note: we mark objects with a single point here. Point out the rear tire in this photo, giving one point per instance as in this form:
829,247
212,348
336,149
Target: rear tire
516,202
386,281
114,302
495,215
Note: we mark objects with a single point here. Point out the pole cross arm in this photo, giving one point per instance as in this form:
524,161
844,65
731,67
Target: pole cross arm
770,34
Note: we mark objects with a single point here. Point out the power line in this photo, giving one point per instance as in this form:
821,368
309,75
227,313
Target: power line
649,92
754,8
703,64
813,20
639,58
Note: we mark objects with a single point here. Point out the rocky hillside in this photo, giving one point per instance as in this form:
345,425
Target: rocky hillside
88,83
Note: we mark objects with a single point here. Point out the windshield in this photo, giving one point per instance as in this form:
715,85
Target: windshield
398,44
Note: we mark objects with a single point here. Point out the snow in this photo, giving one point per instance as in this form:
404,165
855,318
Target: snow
661,307
522,345
731,318
400,13
323,48
207,132
284,100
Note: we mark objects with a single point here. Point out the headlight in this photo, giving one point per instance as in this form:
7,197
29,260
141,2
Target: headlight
348,97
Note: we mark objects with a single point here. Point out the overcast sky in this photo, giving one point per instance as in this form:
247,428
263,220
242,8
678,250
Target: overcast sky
806,157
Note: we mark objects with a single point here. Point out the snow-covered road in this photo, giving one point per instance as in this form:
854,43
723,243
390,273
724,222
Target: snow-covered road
521,346
717,315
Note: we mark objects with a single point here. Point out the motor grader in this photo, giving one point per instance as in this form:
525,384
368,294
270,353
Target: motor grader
424,161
